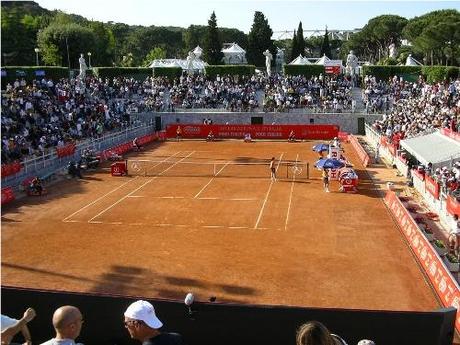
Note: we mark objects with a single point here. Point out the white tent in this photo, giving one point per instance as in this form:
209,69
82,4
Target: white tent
197,64
234,54
300,60
436,148
322,60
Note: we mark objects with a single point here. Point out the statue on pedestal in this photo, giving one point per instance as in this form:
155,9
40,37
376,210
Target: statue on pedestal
189,64
268,61
83,67
352,63
392,51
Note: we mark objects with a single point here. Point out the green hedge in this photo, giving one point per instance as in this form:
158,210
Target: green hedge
435,74
169,72
432,74
212,71
305,70
409,73
11,73
138,73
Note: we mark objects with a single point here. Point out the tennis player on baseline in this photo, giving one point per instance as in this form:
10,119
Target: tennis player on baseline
272,169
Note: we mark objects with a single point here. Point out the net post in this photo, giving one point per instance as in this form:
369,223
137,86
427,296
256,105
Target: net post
308,170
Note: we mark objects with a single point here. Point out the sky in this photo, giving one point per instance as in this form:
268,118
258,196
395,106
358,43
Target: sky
239,14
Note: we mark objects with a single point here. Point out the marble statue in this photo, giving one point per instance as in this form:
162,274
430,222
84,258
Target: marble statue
392,51
268,61
352,63
190,59
83,67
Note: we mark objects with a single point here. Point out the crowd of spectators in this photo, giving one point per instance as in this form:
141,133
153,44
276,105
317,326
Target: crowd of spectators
414,107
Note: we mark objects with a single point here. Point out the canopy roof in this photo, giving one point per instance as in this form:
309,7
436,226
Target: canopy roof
300,60
197,64
233,49
322,60
436,148
410,61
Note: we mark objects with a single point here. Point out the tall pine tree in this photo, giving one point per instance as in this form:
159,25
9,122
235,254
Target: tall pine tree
326,47
212,47
259,40
300,40
295,47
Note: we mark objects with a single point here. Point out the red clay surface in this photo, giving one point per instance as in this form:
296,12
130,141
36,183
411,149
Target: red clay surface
243,238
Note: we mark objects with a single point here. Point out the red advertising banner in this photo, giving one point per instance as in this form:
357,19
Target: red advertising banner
7,195
362,154
320,132
10,169
432,186
417,174
64,151
451,134
453,206
444,284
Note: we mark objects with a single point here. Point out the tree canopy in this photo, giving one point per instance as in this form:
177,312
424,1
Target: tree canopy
259,40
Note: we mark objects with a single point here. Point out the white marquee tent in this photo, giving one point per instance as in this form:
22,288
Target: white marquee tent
447,149
322,60
234,54
300,60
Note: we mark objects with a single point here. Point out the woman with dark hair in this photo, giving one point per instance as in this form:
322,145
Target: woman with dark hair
315,333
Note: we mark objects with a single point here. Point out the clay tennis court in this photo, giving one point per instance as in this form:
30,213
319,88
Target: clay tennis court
237,236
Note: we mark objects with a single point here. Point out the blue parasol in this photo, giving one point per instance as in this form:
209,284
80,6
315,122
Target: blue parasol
321,147
329,163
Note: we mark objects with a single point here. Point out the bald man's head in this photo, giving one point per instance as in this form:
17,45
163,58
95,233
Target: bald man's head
66,316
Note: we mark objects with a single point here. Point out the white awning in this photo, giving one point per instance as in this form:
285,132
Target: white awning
436,148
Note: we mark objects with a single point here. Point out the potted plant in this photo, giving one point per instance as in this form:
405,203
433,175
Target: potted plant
452,262
440,247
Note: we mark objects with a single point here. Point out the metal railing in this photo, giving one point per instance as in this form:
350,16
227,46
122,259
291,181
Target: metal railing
51,163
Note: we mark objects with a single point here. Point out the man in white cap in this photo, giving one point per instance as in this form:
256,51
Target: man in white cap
143,325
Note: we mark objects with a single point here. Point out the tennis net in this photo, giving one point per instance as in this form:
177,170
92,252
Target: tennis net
223,169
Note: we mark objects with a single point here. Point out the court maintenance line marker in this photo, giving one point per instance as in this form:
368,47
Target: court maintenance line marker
266,196
207,184
135,190
92,203
290,196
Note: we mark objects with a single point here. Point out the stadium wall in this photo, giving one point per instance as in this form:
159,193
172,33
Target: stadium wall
348,122
229,324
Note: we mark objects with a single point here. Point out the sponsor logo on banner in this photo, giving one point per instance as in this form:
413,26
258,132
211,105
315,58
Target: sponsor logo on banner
446,287
432,187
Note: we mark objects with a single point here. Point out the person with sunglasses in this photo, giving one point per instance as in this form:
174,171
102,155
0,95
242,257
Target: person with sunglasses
143,325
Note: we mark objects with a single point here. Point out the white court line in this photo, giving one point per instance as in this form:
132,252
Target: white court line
136,196
212,226
290,197
266,196
169,197
242,199
209,199
207,184
142,185
237,227
92,203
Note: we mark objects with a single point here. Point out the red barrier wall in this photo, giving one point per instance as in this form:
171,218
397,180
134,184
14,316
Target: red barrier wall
11,169
67,150
362,154
7,195
444,284
451,134
453,206
320,132
432,186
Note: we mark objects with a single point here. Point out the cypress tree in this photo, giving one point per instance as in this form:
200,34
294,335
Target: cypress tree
326,47
300,40
259,40
212,47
